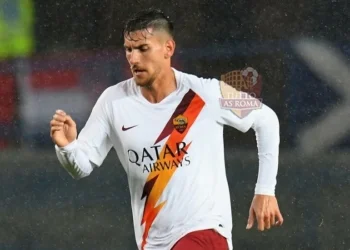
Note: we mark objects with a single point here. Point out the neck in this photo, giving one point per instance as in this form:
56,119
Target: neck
163,85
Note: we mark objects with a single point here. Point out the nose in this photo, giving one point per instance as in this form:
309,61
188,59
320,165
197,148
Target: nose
133,57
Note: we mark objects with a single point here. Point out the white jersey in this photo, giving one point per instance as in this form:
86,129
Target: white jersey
173,154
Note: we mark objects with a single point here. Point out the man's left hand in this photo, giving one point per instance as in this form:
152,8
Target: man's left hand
265,210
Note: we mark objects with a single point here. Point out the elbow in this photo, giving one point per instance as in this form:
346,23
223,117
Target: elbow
270,114
274,117
77,173
264,118
267,125
268,118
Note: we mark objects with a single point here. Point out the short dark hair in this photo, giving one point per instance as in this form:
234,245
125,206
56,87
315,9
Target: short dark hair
150,18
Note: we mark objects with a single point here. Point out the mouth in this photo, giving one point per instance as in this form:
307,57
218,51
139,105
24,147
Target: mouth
138,71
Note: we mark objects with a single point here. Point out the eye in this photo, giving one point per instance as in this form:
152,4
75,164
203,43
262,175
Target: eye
144,48
127,49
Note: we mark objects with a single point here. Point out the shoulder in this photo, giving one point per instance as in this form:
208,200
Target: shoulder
196,81
113,94
206,87
118,91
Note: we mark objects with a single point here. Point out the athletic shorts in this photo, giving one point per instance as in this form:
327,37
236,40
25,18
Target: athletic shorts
202,240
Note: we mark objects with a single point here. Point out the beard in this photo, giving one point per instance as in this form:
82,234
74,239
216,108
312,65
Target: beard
146,83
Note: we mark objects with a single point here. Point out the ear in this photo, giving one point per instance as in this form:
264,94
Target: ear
169,48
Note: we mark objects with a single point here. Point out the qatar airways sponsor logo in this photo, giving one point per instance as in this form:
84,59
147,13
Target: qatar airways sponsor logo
152,158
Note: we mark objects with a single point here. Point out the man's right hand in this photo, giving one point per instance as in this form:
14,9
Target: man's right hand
63,129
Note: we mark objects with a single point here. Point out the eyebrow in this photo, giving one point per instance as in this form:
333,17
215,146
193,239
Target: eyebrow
136,47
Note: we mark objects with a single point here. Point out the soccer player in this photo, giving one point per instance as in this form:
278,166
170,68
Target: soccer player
167,129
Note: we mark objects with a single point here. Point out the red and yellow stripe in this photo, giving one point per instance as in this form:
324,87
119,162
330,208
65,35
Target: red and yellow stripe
190,107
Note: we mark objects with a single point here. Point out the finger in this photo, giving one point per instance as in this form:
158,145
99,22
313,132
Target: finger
70,121
60,112
54,129
279,218
251,219
267,221
272,219
261,224
59,117
56,123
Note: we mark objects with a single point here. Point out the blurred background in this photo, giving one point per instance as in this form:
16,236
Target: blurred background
63,54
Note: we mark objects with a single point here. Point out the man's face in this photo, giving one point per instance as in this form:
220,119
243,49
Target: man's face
146,53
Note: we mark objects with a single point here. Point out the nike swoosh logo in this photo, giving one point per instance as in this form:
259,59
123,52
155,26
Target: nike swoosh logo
127,128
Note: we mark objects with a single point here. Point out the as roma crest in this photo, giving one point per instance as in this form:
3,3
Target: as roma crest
180,123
